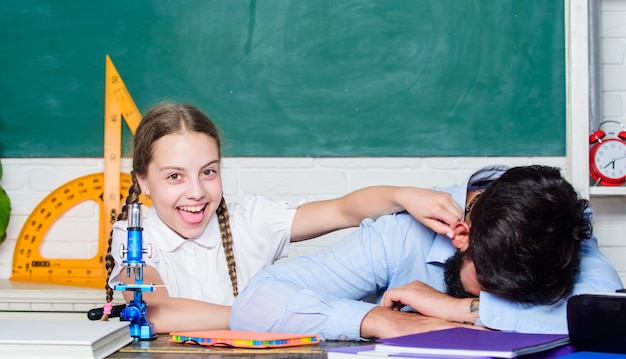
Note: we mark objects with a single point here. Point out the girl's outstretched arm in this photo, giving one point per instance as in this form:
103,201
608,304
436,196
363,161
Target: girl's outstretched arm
170,314
436,210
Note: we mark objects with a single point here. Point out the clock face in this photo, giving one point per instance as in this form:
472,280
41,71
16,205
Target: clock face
608,161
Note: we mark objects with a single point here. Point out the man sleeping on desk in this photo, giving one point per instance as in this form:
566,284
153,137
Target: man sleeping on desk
524,246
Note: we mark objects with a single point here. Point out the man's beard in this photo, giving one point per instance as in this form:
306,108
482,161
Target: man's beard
452,276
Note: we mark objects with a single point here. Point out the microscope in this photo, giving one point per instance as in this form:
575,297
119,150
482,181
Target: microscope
135,311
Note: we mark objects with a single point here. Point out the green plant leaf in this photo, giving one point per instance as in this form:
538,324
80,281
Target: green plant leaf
5,213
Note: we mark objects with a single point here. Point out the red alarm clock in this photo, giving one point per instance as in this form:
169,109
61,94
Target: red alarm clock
607,156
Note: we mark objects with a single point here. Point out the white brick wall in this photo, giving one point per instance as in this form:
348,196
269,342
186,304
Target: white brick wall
610,212
613,33
28,181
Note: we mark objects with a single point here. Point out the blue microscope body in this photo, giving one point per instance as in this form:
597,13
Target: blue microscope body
135,311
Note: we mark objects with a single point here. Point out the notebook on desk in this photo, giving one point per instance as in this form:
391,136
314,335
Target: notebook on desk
62,338
463,342
243,339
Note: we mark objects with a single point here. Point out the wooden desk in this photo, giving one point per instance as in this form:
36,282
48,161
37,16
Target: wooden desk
162,348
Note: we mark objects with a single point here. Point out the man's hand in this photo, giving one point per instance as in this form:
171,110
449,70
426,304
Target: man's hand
432,303
387,323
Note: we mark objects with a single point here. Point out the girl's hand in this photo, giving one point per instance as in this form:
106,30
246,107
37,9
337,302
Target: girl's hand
436,210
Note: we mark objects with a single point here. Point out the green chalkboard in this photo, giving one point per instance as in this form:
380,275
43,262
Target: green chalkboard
293,77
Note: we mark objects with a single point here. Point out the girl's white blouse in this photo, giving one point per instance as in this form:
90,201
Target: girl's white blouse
196,268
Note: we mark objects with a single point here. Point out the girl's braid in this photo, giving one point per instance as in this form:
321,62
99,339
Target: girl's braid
227,241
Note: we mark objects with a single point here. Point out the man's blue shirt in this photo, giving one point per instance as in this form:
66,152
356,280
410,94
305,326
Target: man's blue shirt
331,292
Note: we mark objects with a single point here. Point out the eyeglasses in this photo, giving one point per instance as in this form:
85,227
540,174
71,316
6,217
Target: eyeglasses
468,209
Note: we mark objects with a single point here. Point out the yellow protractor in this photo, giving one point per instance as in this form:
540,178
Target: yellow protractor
30,266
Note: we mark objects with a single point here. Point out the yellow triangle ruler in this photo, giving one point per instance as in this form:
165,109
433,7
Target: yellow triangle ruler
118,105
108,189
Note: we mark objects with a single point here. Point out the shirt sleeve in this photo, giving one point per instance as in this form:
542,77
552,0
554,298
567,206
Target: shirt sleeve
263,225
597,275
120,236
320,293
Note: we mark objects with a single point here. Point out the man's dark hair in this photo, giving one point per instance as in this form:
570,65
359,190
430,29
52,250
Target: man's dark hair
526,233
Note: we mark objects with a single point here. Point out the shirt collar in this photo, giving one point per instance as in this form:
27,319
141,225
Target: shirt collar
489,173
